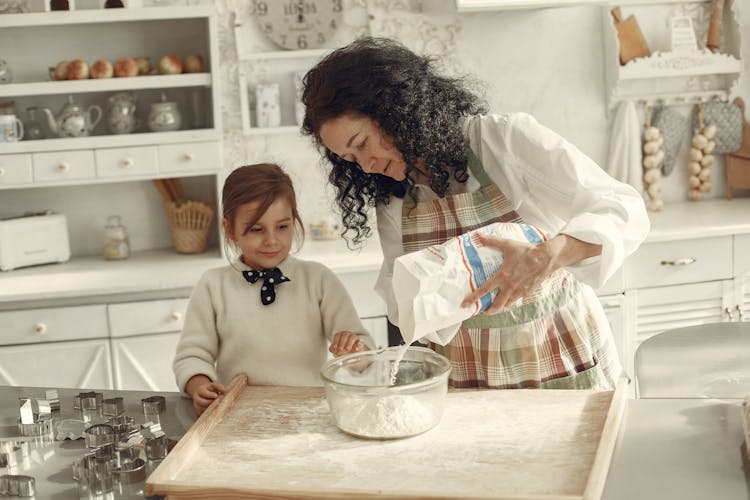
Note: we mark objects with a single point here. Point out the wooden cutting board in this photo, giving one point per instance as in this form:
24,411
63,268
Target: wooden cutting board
280,442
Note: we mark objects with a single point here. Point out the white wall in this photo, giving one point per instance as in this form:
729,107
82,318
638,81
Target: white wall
546,62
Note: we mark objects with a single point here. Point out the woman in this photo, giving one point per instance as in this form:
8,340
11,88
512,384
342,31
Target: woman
418,147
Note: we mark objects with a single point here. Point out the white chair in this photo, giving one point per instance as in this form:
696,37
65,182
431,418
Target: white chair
704,361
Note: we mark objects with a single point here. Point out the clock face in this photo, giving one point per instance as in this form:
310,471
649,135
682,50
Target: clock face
298,25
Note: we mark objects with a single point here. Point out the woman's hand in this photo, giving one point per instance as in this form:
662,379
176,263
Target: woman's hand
346,343
525,266
203,392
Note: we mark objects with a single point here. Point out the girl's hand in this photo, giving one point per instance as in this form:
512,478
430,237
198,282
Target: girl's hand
203,392
524,267
346,343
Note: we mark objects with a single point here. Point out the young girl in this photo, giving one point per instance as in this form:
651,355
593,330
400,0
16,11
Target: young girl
268,315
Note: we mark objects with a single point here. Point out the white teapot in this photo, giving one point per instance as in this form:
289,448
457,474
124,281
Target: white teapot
73,121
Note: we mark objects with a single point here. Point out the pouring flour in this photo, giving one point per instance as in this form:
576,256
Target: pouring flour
429,285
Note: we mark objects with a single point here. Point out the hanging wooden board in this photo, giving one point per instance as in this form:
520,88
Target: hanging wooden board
261,442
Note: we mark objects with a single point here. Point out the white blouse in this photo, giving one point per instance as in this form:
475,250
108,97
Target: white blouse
550,183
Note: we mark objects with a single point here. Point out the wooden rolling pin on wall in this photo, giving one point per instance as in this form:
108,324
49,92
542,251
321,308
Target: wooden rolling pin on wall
631,40
714,25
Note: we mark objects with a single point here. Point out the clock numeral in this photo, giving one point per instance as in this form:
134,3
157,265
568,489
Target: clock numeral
259,9
336,6
302,42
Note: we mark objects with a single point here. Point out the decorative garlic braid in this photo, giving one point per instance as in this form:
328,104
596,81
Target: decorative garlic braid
653,156
701,158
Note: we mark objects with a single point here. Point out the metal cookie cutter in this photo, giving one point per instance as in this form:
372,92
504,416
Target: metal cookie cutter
53,398
132,471
18,486
113,407
124,427
156,442
152,407
99,435
88,400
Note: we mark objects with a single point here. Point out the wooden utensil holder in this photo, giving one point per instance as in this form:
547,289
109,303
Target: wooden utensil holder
189,222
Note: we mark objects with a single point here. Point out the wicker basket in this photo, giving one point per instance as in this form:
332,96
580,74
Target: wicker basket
189,222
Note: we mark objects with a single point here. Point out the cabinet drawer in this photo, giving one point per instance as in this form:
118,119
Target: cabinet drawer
683,261
123,162
81,365
46,325
15,169
153,316
189,156
59,166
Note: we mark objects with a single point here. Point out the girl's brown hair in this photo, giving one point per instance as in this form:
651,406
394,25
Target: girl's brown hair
264,182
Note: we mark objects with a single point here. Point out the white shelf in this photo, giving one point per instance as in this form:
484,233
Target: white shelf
286,129
91,16
110,141
106,85
284,54
670,64
490,5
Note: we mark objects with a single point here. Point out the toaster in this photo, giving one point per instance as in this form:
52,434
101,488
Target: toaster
33,239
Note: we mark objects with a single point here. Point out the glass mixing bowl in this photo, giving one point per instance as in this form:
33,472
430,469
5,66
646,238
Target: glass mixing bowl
365,403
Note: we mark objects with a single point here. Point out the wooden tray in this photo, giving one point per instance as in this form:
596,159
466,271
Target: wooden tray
281,442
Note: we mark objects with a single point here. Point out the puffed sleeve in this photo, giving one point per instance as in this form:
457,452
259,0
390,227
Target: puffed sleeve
557,187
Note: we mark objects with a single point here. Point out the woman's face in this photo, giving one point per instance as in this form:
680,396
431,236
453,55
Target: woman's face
359,139
266,243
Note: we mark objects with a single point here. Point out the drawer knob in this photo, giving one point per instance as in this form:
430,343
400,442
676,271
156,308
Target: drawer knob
63,167
188,157
679,262
40,328
2,171
175,316
128,162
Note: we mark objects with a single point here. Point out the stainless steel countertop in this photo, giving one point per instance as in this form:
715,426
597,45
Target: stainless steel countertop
679,449
51,466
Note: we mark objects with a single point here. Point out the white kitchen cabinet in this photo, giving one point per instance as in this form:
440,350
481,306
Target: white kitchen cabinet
144,363
38,41
77,364
741,305
378,328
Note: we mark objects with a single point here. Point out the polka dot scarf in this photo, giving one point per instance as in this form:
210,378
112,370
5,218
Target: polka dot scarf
271,278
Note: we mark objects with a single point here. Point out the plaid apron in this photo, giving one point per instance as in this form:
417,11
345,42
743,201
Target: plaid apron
557,337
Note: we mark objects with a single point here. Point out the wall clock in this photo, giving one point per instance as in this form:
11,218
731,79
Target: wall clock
298,25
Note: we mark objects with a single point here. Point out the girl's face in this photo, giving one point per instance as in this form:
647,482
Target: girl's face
266,243
359,139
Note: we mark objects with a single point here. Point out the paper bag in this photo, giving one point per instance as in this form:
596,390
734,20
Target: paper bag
429,285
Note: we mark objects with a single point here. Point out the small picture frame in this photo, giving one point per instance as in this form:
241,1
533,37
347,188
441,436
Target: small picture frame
267,105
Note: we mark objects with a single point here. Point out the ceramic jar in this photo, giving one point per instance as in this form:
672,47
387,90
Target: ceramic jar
121,113
164,116
116,241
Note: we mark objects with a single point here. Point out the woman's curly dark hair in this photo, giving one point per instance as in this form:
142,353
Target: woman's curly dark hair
402,92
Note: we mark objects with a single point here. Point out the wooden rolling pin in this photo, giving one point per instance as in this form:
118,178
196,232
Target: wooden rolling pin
714,25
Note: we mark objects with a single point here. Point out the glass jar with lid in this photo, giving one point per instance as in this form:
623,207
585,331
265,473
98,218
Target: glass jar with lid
116,241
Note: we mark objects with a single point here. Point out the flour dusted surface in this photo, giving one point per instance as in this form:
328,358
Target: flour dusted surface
386,417
488,444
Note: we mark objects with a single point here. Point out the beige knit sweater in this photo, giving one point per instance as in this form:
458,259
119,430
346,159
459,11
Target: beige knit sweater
228,331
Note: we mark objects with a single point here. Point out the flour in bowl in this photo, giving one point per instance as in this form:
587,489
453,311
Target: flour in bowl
386,417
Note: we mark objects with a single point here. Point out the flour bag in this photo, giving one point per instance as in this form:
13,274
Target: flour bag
429,285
